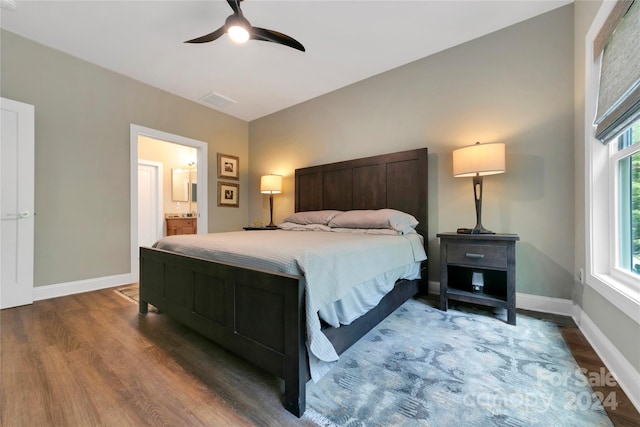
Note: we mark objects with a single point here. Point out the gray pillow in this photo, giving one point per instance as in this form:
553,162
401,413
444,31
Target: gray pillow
312,217
381,218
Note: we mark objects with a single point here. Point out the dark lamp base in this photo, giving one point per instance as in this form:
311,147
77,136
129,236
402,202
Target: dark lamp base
479,229
476,230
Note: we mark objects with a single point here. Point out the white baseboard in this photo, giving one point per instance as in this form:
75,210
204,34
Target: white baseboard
70,288
625,374
564,307
433,287
541,304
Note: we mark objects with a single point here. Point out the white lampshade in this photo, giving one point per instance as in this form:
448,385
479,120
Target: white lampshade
271,184
479,159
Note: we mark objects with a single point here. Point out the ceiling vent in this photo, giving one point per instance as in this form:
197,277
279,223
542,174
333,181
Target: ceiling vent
8,4
216,100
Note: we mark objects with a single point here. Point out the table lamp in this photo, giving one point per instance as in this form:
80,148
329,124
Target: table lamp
476,161
271,184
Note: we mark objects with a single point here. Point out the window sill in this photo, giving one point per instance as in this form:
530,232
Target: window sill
624,296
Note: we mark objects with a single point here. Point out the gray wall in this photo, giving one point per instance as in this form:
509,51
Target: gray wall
83,114
513,86
584,14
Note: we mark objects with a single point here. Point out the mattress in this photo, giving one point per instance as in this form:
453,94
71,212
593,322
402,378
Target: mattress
350,269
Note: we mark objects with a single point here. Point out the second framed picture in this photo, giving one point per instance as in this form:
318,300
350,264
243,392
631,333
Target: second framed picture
228,166
228,194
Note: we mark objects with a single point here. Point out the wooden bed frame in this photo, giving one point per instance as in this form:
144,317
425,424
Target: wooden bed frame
260,315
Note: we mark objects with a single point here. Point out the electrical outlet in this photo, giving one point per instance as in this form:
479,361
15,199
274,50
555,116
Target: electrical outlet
581,276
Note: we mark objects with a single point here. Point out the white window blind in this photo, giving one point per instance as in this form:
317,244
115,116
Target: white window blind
619,91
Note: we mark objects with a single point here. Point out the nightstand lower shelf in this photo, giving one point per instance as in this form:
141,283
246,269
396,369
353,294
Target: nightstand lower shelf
476,298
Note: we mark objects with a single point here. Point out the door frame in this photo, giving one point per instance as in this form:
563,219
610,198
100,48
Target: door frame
202,191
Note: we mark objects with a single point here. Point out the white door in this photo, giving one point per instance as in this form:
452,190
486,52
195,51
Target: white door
16,203
149,202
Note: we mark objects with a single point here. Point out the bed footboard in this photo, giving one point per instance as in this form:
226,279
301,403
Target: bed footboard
257,315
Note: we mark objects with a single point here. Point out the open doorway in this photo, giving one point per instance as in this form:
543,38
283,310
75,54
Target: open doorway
196,163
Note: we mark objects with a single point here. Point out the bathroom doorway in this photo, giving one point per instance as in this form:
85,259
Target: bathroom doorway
199,167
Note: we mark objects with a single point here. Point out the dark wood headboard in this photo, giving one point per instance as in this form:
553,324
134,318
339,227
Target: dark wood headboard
396,181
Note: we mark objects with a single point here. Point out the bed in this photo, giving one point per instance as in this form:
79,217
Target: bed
261,315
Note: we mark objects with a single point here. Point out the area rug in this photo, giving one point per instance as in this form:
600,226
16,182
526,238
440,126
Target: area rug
425,367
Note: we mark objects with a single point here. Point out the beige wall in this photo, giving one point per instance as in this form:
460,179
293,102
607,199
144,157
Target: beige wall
83,114
513,86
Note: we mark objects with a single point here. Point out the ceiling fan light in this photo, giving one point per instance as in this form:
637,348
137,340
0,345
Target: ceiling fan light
238,33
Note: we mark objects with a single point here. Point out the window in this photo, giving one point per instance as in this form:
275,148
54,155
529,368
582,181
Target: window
618,126
612,154
626,161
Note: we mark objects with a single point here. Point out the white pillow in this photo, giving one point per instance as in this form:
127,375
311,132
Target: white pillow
312,217
381,218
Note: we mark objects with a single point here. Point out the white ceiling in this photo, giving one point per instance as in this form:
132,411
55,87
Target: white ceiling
345,40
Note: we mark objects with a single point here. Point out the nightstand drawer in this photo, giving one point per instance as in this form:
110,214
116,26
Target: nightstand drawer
487,256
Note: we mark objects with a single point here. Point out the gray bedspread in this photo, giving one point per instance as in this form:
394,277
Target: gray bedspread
332,263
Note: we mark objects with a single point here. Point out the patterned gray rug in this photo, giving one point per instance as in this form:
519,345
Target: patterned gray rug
424,367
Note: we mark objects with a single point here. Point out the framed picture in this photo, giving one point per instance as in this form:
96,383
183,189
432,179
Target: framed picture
228,194
228,166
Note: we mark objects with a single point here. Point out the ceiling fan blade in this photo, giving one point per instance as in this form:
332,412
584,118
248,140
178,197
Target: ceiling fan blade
209,37
275,37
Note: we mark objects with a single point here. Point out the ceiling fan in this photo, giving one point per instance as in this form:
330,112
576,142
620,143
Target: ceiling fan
240,30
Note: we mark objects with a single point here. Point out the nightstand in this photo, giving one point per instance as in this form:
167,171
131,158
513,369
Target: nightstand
479,269
251,228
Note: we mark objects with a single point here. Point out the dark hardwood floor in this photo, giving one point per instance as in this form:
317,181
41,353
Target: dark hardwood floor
91,360
624,414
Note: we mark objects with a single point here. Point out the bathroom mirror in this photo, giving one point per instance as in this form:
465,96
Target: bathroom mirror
179,185
194,185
